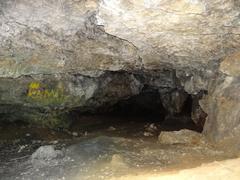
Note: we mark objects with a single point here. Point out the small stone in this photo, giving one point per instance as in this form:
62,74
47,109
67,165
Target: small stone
147,134
180,137
75,134
27,135
21,148
151,128
111,128
54,142
46,153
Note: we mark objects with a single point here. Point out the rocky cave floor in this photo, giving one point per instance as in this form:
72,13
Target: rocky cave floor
109,149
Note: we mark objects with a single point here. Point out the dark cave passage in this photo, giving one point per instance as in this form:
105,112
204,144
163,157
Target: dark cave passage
148,107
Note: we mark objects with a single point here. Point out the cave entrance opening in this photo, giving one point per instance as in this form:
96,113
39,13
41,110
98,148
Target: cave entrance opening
147,114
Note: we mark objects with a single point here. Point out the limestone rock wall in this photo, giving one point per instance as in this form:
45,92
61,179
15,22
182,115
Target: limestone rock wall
69,50
222,104
177,33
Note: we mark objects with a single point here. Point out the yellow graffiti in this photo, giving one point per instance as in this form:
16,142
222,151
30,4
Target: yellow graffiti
39,92
34,85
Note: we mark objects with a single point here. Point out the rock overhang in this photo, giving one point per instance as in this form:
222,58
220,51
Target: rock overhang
82,44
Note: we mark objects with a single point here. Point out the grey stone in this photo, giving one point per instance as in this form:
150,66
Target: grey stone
198,116
46,153
174,101
182,137
222,104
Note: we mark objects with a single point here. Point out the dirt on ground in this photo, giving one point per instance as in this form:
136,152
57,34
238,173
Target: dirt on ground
109,149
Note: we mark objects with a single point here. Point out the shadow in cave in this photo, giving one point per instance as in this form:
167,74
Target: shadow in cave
134,114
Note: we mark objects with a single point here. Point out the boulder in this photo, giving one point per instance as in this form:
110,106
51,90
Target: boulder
184,136
222,104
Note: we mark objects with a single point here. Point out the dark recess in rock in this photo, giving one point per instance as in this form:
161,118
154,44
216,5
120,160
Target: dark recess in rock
56,58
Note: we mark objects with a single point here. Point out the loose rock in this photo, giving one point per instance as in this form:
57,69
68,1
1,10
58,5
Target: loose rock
111,128
46,153
151,128
75,134
183,137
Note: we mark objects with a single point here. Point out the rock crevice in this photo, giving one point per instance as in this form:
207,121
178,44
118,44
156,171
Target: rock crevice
60,55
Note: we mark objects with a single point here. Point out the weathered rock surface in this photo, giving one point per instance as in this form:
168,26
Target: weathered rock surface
198,116
49,37
177,33
211,171
222,104
174,101
46,99
46,153
88,37
184,136
60,55
103,157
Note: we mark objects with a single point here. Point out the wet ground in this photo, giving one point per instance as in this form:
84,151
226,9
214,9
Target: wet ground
107,149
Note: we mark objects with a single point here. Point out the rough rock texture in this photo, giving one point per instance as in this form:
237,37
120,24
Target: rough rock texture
223,103
198,116
174,101
180,137
58,37
46,153
59,55
46,99
211,171
174,32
